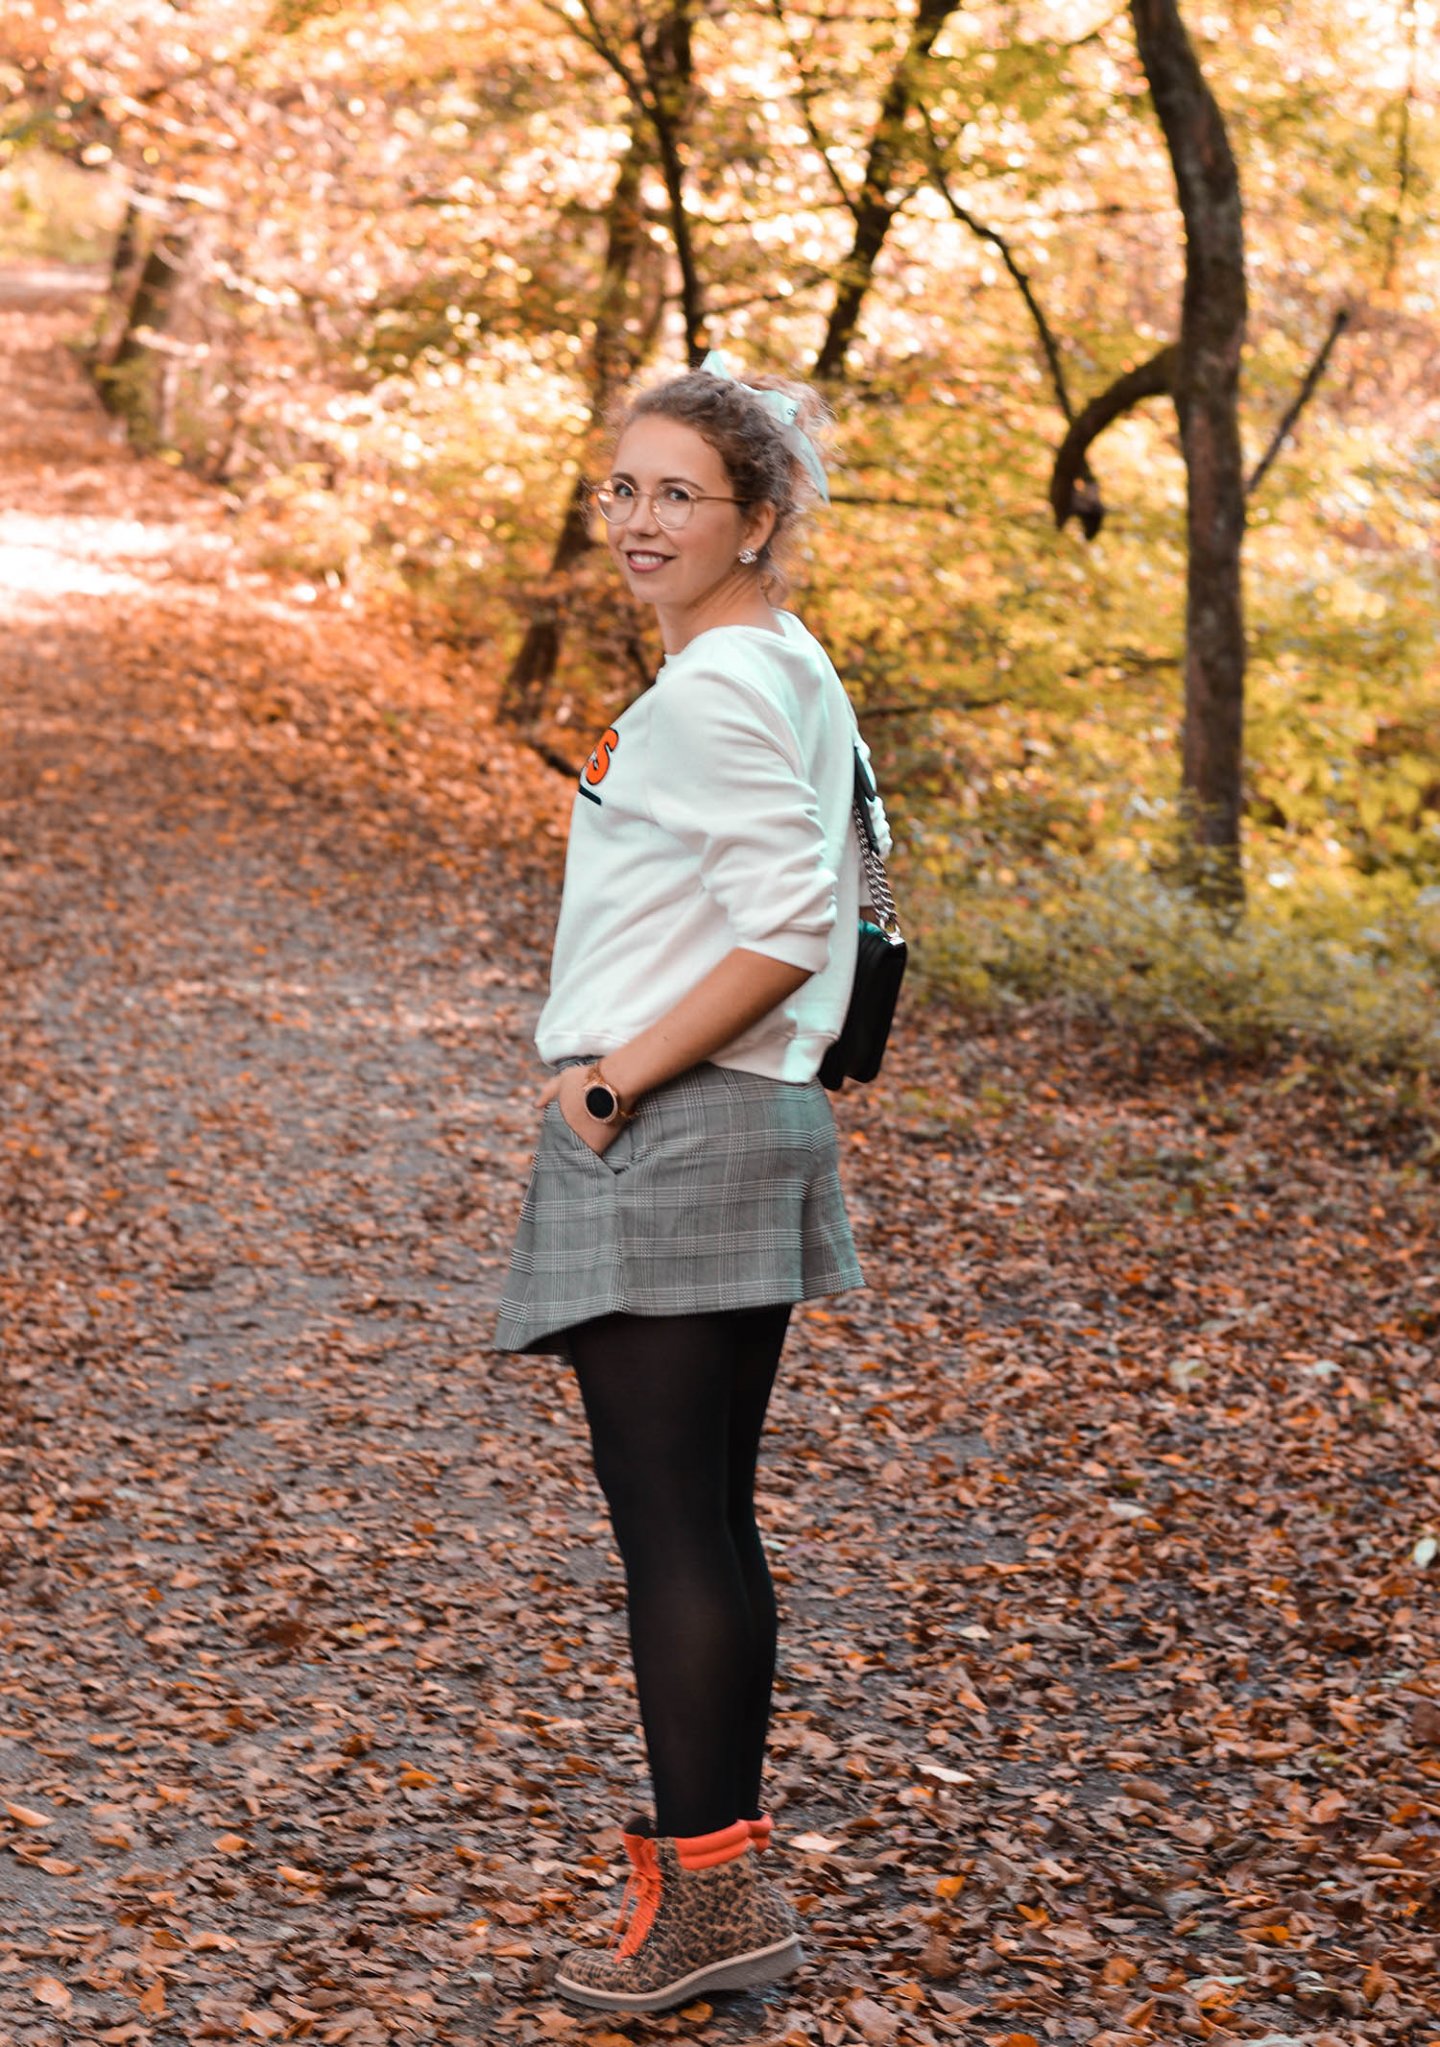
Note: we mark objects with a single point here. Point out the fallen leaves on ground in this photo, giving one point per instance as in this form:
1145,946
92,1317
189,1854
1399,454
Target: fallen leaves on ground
1109,1698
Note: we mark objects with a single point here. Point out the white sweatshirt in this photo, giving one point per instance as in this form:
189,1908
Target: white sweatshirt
715,813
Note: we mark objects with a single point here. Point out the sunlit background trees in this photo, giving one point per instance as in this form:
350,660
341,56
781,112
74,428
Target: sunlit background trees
380,271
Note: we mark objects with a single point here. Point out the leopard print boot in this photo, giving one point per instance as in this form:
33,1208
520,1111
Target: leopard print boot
698,1921
761,1834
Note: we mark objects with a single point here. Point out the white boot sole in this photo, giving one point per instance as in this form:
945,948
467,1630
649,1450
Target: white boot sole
738,1972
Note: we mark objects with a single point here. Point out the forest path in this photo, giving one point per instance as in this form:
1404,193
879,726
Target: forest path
1092,1519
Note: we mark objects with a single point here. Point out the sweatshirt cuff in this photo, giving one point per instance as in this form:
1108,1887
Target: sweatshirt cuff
807,950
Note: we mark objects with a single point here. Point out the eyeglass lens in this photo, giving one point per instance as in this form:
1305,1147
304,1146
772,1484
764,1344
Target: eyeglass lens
672,506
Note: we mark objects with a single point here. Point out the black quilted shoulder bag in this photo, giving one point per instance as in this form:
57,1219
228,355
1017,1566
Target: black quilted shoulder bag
879,960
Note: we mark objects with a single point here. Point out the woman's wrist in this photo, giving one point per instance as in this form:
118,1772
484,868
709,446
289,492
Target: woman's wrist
624,1074
602,1098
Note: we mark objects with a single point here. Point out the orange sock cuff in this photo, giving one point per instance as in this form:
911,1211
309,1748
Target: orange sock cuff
760,1830
706,1851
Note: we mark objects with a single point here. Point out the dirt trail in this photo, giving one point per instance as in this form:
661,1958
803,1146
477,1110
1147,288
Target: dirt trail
265,1086
1110,1689
316,1643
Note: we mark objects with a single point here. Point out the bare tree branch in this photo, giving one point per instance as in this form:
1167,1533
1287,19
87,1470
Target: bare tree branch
664,64
1007,257
665,54
808,279
1152,379
875,207
921,710
805,96
1302,398
1403,164
890,504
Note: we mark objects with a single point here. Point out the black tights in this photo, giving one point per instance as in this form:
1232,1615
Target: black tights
675,1405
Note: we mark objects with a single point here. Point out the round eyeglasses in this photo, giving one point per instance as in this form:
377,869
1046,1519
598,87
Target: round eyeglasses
672,503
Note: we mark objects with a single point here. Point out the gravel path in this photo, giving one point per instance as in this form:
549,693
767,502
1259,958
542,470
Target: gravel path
317,1686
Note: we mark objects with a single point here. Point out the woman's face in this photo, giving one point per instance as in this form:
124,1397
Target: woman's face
679,568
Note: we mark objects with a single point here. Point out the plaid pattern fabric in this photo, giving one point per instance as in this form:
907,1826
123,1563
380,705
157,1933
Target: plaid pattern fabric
723,1192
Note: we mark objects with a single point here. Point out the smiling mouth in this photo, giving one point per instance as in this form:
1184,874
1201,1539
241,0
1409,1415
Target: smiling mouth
642,558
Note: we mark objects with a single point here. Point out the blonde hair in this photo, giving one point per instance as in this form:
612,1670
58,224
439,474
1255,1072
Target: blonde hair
760,465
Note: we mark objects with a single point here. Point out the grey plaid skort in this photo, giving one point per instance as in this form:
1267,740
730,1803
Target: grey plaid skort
722,1192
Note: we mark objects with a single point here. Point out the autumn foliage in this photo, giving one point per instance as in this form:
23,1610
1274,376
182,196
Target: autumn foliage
395,349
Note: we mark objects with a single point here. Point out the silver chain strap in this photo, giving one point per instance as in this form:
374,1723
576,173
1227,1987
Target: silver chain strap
876,878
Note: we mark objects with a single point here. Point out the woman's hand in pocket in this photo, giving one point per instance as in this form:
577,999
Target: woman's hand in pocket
568,1089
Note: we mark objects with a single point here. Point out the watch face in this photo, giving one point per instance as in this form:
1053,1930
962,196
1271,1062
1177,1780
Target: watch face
599,1103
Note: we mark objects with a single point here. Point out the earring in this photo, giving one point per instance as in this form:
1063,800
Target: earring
748,555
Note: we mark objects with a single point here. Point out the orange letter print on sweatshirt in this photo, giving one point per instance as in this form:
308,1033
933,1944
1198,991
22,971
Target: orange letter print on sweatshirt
598,766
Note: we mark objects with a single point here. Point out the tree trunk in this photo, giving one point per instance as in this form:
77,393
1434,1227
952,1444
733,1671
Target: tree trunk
1206,390
124,262
877,206
613,360
134,384
156,293
523,693
667,56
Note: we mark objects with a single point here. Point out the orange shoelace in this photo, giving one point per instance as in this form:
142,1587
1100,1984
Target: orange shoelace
642,1892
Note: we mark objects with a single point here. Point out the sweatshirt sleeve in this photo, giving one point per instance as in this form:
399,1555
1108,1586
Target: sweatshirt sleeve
726,779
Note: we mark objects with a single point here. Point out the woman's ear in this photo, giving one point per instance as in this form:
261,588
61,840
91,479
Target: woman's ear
759,525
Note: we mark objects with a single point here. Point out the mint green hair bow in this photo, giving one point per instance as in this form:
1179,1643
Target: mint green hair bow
782,410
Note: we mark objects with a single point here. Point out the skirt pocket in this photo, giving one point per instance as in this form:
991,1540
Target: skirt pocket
617,1155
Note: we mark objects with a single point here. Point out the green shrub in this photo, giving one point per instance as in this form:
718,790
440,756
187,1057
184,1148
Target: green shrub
1327,976
55,211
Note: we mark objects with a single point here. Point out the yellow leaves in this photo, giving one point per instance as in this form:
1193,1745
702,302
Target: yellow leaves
412,1779
949,1886
1348,599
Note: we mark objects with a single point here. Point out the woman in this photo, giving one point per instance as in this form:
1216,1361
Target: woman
685,1191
